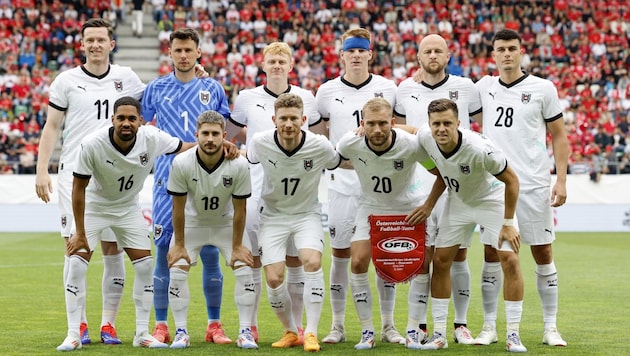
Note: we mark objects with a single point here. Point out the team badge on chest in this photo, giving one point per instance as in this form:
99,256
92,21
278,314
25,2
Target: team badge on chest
526,97
118,85
144,159
464,168
227,181
399,164
308,164
204,97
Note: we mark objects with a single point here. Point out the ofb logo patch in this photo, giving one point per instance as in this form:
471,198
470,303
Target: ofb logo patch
464,168
64,221
453,94
118,85
526,97
144,159
157,231
399,164
227,181
308,164
204,97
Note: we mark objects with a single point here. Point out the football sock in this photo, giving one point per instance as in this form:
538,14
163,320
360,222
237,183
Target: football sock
491,283
280,301
112,284
418,301
314,296
257,277
161,280
339,289
143,292
179,297
75,291
295,285
387,298
212,281
439,309
362,296
244,296
460,285
547,284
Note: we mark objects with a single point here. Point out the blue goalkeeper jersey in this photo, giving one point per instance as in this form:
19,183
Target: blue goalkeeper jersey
176,106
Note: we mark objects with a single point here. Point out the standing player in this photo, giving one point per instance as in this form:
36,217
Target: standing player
339,101
386,161
81,101
119,159
292,160
519,111
209,194
473,170
176,100
412,100
254,109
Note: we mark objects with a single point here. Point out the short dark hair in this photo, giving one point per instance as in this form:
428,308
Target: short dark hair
128,100
506,35
441,105
97,22
184,34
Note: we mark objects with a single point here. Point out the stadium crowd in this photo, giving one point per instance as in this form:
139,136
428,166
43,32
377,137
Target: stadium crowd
582,46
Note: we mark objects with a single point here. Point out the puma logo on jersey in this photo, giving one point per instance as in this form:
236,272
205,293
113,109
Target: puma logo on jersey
261,106
492,95
110,162
417,97
363,160
195,180
491,152
340,100
170,100
82,87
274,163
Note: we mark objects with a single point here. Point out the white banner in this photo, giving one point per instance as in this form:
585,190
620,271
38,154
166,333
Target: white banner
603,206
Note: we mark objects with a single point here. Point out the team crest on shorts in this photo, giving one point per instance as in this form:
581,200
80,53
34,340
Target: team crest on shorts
333,232
464,168
399,164
144,159
526,97
453,94
204,97
64,221
118,85
227,181
157,231
308,164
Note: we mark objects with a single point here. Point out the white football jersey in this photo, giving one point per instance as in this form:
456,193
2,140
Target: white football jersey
88,102
515,118
469,171
255,107
412,99
117,177
340,103
389,178
291,179
209,191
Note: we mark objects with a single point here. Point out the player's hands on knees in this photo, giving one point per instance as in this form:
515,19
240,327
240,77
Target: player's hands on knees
240,253
418,215
77,243
230,149
43,187
511,235
176,253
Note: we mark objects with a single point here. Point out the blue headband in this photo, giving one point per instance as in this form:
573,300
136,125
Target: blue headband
356,42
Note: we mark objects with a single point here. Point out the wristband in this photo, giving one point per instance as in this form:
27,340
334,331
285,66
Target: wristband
508,222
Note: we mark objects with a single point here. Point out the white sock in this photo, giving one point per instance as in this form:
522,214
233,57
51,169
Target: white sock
314,296
339,289
439,309
460,285
387,299
244,296
547,284
491,283
179,297
418,301
75,291
513,313
362,296
280,301
295,285
257,278
112,284
143,292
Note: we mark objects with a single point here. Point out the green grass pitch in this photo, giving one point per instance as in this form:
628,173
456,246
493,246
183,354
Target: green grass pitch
594,315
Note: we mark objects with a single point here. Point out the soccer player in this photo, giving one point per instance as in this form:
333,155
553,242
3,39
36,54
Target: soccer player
385,161
292,160
209,194
412,100
119,159
81,101
519,111
176,100
339,101
254,109
472,169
